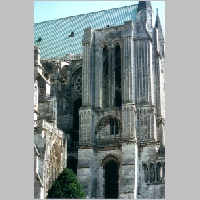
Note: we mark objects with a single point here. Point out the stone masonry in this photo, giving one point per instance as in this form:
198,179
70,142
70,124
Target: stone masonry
50,152
102,113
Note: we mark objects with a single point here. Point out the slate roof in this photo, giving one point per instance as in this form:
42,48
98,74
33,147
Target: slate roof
56,42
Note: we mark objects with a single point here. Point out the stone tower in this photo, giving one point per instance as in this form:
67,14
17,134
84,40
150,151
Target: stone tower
121,120
101,109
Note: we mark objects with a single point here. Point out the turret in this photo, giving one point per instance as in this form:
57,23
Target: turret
161,40
145,13
144,5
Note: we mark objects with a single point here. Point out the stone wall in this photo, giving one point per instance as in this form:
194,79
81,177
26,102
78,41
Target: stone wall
50,144
110,104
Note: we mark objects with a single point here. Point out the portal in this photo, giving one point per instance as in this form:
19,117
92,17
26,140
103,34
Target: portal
111,179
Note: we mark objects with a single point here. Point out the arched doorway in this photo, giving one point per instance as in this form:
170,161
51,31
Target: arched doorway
111,170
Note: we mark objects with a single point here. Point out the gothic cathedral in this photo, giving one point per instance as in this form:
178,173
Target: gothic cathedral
106,106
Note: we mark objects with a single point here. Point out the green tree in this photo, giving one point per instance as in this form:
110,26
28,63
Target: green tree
66,186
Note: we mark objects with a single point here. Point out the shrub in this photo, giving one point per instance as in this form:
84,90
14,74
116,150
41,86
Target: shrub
66,186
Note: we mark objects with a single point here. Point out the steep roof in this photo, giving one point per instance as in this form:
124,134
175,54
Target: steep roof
54,34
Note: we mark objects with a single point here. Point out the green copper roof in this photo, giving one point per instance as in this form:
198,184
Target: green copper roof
56,42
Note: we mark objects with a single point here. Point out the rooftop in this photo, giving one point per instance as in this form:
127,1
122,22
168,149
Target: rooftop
55,41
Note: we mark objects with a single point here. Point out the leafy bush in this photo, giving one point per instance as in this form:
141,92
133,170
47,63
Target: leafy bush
66,186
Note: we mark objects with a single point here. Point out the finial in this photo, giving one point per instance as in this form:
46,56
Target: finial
157,11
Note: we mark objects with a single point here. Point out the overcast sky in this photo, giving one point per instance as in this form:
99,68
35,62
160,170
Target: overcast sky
50,10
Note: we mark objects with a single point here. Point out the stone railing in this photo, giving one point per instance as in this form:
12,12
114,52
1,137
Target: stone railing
109,140
73,56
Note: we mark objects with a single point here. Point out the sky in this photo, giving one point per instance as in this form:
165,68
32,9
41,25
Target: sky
50,10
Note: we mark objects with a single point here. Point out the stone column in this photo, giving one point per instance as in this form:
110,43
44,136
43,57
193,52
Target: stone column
144,91
37,55
163,172
128,74
86,135
84,168
128,121
86,132
86,69
129,170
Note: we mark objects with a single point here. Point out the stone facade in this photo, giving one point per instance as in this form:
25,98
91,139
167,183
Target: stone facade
109,103
50,143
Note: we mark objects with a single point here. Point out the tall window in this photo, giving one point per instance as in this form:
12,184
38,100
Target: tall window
152,173
114,127
145,172
105,95
118,92
158,172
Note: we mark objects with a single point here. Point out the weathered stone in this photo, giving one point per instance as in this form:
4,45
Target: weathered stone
110,104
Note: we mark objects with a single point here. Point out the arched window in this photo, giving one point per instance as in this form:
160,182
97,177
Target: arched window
158,172
105,87
114,127
145,172
109,123
118,86
78,82
152,173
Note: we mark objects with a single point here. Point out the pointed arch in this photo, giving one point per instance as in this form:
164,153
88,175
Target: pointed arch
105,77
145,168
152,173
111,176
118,75
158,172
114,124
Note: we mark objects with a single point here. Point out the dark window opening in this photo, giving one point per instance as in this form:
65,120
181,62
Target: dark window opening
111,180
145,172
114,127
118,85
158,172
155,174
77,105
152,173
118,96
105,94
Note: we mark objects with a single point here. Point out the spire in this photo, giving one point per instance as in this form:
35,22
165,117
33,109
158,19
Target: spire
144,5
157,24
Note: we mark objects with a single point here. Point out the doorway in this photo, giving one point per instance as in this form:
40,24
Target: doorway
111,179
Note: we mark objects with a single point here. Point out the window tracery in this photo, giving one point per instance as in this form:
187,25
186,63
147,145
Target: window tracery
154,172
